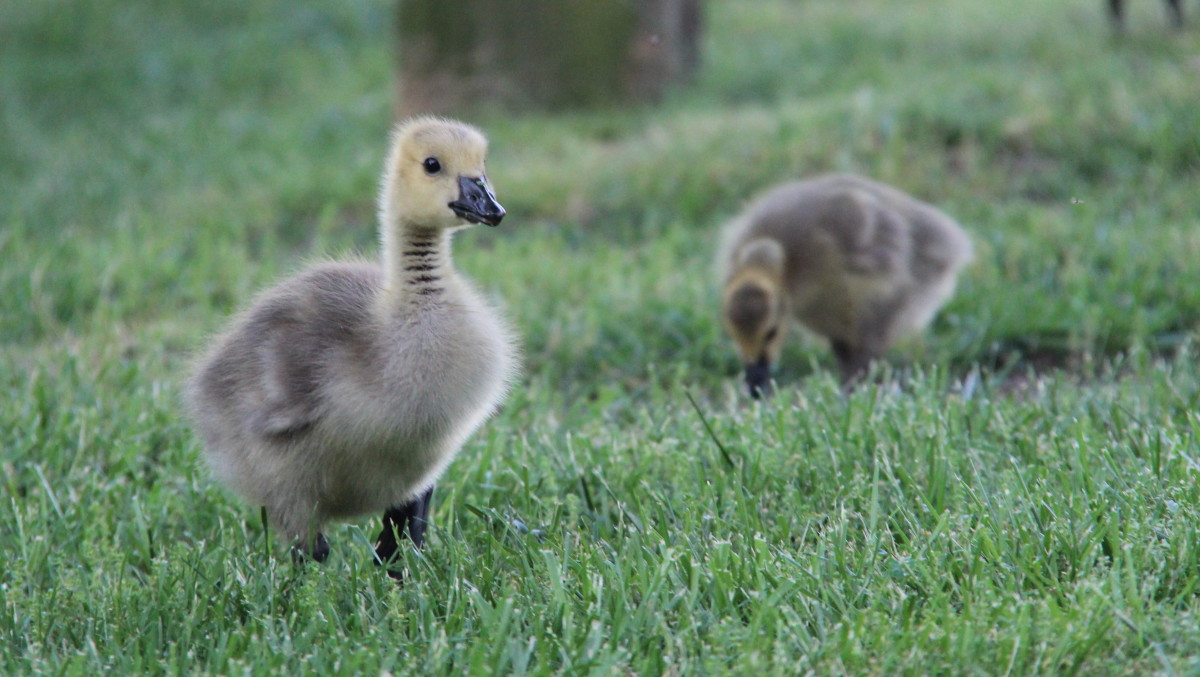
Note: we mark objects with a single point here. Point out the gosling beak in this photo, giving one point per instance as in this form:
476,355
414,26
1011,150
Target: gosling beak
476,202
758,377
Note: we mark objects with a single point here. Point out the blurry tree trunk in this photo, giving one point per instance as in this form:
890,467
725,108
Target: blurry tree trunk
454,54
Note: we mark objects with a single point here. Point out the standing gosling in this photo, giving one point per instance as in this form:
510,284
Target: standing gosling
349,387
854,260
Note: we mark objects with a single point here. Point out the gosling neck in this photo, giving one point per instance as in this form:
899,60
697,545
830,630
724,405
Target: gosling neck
416,263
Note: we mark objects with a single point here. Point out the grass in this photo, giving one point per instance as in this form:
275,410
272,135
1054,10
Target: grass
1022,498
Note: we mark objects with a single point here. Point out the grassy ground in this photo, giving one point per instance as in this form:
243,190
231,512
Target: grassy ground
1024,499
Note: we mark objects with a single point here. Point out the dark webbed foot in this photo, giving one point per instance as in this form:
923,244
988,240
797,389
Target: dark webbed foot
408,519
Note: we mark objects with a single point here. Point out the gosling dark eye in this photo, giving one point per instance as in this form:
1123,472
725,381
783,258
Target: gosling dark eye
431,165
770,335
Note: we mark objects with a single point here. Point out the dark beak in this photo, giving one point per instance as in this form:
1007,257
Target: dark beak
758,377
476,202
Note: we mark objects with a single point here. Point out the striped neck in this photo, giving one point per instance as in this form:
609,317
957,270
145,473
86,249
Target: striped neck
417,263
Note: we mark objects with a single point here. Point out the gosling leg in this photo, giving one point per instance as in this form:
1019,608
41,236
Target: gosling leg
1116,12
1175,11
852,362
320,547
871,342
411,518
317,550
300,523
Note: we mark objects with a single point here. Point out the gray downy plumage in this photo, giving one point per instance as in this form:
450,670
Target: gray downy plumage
350,387
853,260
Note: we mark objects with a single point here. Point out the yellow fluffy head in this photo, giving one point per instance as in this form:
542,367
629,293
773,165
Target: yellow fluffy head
752,309
431,161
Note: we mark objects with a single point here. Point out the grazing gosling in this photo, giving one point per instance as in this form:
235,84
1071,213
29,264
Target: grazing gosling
349,387
854,260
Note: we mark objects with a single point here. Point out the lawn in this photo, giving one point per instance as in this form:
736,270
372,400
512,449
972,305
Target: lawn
1018,494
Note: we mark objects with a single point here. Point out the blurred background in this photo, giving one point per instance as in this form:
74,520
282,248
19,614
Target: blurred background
162,160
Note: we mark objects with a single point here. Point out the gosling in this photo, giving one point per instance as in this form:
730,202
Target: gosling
854,260
349,388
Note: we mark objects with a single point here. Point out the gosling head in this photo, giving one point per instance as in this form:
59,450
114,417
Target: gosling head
752,309
435,176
